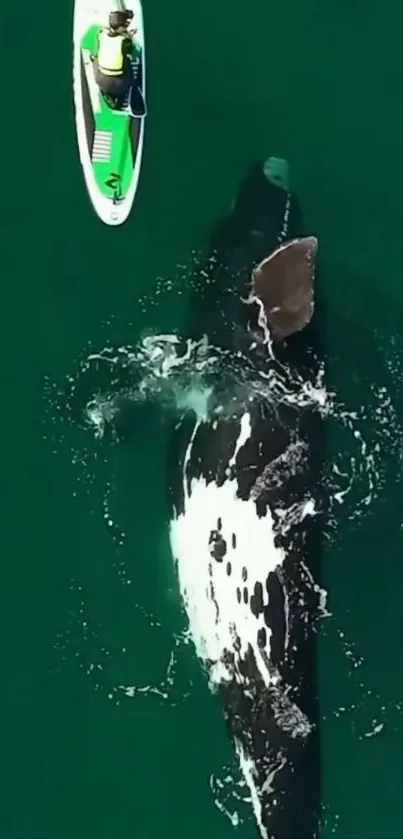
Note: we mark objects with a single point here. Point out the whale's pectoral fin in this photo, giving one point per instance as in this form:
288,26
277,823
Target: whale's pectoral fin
284,283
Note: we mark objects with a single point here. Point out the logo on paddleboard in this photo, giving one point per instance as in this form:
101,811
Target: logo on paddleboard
114,183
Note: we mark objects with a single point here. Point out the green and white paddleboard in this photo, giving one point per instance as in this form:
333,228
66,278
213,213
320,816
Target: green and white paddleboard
110,142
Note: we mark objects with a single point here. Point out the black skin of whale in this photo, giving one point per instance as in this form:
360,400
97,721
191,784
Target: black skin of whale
238,242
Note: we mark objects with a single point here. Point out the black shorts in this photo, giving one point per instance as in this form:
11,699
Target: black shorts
115,85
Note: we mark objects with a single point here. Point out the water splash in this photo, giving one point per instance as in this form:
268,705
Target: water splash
82,640
177,376
231,795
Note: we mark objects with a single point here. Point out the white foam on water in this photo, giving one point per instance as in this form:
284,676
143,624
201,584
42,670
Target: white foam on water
83,641
229,790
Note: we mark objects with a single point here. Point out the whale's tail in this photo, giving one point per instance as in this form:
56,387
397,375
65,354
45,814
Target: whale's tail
277,171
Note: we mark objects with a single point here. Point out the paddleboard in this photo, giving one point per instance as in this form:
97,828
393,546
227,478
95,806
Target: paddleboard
110,142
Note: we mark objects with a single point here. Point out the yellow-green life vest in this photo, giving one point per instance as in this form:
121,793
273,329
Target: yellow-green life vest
110,54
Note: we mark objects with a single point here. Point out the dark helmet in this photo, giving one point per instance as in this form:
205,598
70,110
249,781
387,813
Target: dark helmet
119,18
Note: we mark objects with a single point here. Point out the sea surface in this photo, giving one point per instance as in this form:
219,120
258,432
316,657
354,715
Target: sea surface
109,730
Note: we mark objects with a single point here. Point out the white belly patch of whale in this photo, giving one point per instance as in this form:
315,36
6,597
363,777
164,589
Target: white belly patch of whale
217,594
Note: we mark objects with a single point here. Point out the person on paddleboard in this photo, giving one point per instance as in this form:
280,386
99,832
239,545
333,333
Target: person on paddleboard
113,63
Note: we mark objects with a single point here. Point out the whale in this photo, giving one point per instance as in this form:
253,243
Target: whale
245,532
250,585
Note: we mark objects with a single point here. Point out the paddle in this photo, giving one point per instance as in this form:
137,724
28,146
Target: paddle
137,104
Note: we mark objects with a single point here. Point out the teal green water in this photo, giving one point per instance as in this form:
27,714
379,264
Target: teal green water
322,87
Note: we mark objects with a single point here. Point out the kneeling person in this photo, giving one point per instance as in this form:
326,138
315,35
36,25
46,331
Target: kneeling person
112,65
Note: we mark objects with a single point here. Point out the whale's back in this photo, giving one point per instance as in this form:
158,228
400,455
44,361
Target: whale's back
245,579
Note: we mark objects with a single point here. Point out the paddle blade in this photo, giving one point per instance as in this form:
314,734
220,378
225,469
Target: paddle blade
137,103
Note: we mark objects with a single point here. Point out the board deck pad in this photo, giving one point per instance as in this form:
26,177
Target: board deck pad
113,139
